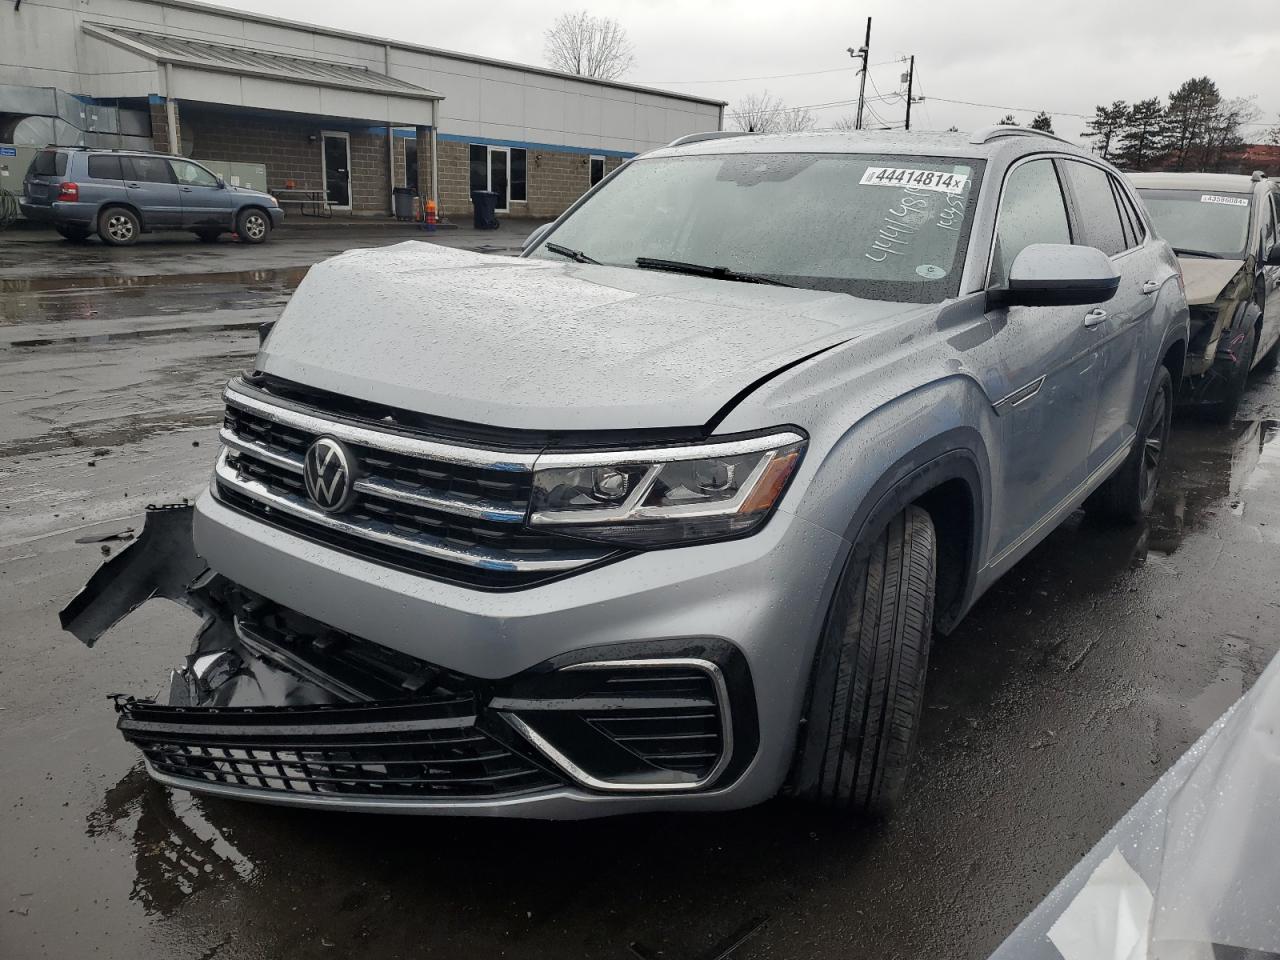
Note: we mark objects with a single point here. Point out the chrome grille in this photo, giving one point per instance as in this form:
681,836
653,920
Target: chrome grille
441,509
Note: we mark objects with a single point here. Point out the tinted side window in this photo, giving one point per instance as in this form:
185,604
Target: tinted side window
105,168
1268,225
148,169
1031,211
192,174
1096,207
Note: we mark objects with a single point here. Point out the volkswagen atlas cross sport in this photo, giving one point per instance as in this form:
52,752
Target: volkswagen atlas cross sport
1224,229
663,514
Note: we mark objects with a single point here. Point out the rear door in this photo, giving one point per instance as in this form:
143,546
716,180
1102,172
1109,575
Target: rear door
105,183
47,170
151,188
206,202
1046,369
1101,219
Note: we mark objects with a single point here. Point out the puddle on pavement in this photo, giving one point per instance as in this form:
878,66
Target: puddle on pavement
1227,686
286,275
96,338
1209,469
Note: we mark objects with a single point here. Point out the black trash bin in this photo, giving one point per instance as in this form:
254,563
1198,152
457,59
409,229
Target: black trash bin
486,204
404,199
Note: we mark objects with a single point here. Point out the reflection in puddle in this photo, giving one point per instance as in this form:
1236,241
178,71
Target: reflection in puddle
177,851
239,278
1208,469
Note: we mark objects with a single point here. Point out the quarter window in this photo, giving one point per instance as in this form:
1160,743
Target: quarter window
1099,218
1031,211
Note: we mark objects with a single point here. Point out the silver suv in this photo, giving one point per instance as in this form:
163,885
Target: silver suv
120,195
664,514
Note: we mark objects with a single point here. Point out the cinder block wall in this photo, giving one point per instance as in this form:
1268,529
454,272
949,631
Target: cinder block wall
284,145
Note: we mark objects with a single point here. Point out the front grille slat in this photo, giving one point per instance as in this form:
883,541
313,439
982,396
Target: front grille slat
456,520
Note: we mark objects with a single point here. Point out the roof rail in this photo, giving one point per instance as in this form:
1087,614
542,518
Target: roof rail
987,134
706,135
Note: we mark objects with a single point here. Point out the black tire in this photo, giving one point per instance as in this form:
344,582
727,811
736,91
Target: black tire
74,234
208,236
1235,379
253,226
863,719
1129,494
118,227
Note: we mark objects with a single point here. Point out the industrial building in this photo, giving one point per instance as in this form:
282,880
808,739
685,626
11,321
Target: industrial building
330,121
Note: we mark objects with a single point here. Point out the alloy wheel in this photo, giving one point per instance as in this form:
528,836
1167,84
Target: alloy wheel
255,227
1154,437
120,227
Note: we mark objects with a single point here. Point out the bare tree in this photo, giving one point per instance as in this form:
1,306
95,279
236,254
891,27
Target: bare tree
1007,121
796,120
758,113
589,46
845,124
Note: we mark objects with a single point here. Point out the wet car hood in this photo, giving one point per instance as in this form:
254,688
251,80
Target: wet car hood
536,344
1205,277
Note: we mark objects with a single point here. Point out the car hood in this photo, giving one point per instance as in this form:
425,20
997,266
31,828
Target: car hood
1205,277
246,192
537,344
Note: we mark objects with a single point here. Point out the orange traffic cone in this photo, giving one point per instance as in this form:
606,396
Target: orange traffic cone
431,215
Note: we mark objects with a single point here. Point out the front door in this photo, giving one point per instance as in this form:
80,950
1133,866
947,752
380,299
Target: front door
500,177
1270,275
336,155
1044,371
206,201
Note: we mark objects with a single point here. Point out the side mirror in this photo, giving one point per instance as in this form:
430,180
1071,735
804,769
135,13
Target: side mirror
1273,256
222,184
534,238
1058,275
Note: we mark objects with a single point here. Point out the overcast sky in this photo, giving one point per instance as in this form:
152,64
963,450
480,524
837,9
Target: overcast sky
1063,57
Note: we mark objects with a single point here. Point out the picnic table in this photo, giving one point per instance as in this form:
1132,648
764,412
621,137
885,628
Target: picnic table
311,203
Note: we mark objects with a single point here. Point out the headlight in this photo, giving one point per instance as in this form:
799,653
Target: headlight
661,497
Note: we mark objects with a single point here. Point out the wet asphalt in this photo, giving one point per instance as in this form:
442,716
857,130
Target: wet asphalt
1066,692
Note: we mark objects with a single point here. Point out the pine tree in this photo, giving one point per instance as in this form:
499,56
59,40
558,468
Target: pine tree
1106,126
1188,123
1043,122
1140,141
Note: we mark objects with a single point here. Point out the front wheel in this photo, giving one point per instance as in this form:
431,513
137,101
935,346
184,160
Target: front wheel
1234,372
1129,494
253,226
869,685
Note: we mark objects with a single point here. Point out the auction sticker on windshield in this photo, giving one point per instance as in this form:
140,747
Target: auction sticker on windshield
1232,201
921,179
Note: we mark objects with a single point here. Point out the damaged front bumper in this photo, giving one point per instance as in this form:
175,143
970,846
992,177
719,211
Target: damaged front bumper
271,705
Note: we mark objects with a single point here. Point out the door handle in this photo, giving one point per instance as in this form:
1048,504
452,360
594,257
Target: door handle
186,189
1150,287
132,186
1094,317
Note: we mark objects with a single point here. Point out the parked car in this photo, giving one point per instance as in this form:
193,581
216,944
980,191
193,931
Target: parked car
664,514
1224,230
120,194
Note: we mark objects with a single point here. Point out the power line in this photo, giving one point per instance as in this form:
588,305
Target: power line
775,76
1001,106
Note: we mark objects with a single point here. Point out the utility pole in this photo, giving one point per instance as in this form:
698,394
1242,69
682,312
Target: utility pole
911,76
864,53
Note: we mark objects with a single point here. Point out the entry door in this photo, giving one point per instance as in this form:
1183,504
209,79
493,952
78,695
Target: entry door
500,176
336,156
1045,371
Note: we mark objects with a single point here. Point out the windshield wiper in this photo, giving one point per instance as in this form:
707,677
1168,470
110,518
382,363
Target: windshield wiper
1183,252
575,255
702,270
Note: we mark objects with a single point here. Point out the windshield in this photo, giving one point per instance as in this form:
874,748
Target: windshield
1196,220
880,227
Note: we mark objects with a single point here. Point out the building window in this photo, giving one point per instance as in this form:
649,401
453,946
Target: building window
597,170
519,188
411,163
479,167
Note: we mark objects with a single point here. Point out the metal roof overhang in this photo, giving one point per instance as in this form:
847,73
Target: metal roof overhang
270,80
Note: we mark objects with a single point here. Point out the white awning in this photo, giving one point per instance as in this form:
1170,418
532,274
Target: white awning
241,76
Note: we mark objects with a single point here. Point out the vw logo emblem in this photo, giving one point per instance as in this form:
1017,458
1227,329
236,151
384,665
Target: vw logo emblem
329,473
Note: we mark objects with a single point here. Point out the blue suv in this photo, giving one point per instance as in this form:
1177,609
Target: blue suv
119,195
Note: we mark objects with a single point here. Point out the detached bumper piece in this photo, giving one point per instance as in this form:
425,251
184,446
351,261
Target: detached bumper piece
273,705
405,750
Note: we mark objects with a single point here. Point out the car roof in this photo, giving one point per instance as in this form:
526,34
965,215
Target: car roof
989,143
1221,182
